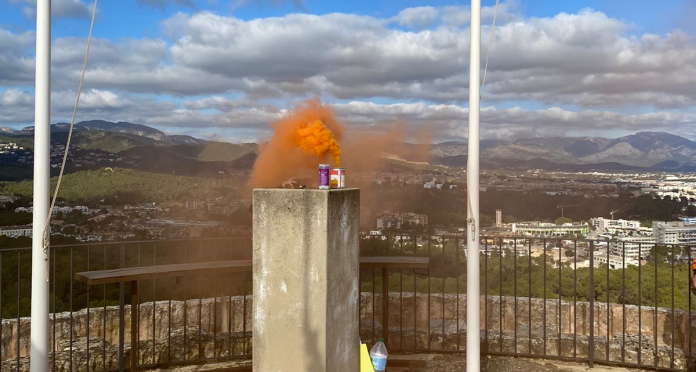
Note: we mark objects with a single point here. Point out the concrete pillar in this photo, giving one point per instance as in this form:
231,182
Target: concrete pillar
306,280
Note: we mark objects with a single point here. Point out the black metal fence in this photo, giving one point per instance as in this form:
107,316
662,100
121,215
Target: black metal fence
182,320
539,298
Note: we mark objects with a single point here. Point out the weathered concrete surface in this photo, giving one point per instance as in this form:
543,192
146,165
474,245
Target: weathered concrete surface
306,247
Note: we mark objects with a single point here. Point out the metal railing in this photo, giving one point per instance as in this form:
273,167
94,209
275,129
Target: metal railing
182,320
540,297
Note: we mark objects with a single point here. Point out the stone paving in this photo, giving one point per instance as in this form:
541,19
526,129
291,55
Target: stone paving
440,363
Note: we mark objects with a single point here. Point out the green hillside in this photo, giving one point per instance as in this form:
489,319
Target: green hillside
24,141
214,151
15,172
105,141
127,186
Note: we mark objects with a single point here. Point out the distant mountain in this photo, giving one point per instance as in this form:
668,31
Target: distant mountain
537,163
657,151
454,148
585,146
644,149
185,140
159,160
141,147
649,141
125,128
213,151
108,141
135,131
10,131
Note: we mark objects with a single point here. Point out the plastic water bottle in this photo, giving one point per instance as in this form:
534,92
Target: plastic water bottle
378,354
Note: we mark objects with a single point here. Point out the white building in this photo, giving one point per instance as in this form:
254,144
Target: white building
65,210
388,221
7,199
614,262
391,220
16,231
674,232
602,224
548,230
634,247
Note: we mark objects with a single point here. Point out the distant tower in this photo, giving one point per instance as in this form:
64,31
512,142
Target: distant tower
498,218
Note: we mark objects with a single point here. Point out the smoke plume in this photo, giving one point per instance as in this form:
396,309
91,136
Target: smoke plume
316,139
302,140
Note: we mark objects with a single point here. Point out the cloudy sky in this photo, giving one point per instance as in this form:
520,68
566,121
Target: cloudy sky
225,69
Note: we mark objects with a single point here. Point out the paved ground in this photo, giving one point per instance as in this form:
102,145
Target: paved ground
439,363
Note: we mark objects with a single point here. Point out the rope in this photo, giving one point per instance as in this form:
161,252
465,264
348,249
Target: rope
472,219
490,44
44,234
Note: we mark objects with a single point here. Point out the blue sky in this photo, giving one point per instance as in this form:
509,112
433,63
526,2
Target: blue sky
225,69
128,18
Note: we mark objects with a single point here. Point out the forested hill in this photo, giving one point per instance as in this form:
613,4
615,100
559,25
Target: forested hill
128,186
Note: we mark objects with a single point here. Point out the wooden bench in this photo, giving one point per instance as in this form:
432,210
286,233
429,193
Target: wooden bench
134,274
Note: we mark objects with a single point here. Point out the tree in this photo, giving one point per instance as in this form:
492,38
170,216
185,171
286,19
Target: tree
486,220
691,210
509,219
562,220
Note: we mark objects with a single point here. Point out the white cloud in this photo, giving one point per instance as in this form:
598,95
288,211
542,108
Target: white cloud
460,16
584,60
449,121
221,115
60,9
418,17
15,66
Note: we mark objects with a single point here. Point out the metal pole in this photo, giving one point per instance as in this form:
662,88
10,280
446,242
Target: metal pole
42,150
473,347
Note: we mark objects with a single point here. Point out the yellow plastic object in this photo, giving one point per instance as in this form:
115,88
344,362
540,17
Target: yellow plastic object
365,362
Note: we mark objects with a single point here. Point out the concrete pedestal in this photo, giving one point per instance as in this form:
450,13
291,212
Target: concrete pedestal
306,248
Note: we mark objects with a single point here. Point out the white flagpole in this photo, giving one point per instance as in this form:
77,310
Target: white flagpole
42,151
473,299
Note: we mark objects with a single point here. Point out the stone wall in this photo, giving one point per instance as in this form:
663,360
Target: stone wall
223,325
440,324
500,313
221,334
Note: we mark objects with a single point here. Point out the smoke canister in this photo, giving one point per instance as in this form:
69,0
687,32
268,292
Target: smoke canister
323,176
338,178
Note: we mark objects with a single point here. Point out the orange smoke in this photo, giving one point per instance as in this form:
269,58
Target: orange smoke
316,139
301,140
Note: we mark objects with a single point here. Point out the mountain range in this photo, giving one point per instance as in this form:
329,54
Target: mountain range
658,151
655,150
